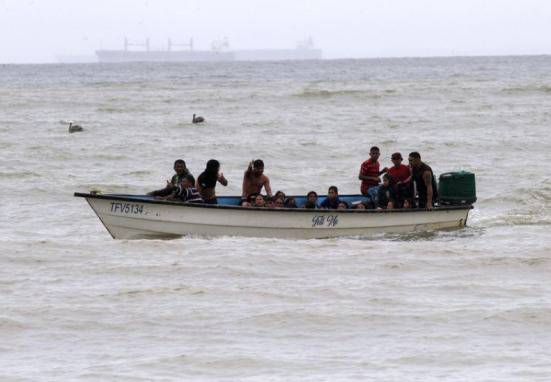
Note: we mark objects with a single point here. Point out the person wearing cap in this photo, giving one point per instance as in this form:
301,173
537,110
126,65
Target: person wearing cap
399,173
400,177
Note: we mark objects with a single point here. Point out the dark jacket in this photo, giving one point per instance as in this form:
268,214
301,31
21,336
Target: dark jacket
331,204
385,195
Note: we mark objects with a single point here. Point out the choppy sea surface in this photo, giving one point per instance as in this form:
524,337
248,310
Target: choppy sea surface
463,305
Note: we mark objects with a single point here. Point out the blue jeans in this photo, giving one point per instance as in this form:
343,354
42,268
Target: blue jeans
373,193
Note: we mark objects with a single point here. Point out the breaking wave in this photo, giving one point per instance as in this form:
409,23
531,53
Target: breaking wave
528,89
532,207
356,93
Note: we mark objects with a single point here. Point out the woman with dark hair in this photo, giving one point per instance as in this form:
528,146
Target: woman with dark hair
311,200
206,182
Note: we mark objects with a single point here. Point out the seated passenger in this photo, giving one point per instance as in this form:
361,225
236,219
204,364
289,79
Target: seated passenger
270,202
259,201
181,171
290,202
252,199
342,205
400,176
206,183
254,180
279,203
311,200
187,192
279,194
332,201
245,204
360,206
386,197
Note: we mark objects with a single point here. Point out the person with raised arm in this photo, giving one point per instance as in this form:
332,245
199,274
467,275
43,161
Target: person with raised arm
206,182
254,180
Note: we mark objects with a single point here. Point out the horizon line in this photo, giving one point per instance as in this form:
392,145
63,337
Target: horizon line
53,62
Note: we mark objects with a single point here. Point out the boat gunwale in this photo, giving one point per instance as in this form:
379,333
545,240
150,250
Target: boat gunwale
239,208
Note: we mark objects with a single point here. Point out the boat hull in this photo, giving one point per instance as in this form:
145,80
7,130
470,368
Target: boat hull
127,217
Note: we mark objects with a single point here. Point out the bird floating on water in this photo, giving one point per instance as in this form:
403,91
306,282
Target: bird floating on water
74,128
197,119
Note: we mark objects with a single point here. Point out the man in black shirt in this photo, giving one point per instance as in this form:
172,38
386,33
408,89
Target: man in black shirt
423,177
181,171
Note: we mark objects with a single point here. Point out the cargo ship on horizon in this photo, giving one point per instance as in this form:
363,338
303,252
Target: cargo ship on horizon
219,52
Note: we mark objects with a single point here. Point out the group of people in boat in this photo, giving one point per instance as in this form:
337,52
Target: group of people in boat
397,186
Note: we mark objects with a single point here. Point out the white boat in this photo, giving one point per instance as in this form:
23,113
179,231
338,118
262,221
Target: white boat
143,217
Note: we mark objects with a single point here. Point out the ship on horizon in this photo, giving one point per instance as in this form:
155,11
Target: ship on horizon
219,52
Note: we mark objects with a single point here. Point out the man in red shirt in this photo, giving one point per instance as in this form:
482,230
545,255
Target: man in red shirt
369,174
400,176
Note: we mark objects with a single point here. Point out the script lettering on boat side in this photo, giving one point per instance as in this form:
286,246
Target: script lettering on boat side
325,220
127,208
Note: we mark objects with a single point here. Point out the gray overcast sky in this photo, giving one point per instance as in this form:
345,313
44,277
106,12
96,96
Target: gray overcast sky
39,30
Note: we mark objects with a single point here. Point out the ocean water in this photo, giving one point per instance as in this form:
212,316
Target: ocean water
464,305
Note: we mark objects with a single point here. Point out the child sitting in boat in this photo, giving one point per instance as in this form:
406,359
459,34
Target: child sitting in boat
270,202
186,191
279,203
359,206
279,194
311,200
342,205
332,201
250,200
259,201
386,196
290,202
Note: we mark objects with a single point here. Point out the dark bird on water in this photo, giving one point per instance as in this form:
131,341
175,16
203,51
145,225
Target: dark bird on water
74,128
197,119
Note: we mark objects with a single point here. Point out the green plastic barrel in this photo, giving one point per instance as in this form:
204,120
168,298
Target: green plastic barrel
457,188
